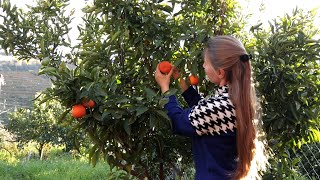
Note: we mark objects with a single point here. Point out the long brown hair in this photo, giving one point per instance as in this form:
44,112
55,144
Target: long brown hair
224,53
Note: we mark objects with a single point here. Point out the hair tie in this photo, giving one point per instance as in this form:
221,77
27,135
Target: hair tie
245,57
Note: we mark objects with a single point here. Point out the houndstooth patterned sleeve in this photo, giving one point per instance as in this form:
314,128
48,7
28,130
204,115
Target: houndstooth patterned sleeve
213,116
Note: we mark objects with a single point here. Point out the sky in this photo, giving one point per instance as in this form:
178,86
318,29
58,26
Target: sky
275,8
271,9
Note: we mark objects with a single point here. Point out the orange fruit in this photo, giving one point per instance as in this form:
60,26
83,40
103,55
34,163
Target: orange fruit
88,103
194,80
165,67
78,111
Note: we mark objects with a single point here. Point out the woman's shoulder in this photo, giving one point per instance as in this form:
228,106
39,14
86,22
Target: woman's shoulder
217,101
213,115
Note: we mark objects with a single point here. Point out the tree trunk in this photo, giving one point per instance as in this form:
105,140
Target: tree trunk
40,150
161,172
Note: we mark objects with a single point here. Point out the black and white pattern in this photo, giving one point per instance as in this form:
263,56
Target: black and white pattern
214,115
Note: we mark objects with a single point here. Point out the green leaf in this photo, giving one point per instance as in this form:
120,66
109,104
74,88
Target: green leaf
43,51
86,53
92,150
141,110
139,98
316,134
117,114
194,68
282,61
178,62
132,120
95,157
123,100
47,70
101,92
150,93
295,161
63,115
104,114
203,2
115,36
157,42
45,61
90,9
152,121
45,99
294,111
127,127
97,116
163,114
165,8
256,27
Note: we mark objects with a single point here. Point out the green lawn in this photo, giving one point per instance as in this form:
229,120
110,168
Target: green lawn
58,168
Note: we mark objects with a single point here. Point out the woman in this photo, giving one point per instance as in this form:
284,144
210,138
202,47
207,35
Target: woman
221,125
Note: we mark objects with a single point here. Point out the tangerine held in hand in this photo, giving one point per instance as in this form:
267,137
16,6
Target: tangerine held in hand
165,67
194,80
78,111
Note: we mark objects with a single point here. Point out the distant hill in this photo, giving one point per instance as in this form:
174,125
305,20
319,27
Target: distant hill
19,82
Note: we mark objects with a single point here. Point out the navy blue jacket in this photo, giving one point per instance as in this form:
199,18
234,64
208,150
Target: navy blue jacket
210,123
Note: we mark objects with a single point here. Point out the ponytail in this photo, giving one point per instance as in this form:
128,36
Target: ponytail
240,92
228,53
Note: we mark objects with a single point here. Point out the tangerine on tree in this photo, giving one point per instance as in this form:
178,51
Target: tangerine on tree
78,111
194,80
88,103
165,67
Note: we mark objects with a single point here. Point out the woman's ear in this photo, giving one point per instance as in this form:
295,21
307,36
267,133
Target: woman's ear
221,73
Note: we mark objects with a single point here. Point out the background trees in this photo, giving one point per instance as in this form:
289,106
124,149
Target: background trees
39,124
286,65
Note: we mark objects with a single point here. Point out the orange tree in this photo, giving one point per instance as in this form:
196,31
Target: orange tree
121,42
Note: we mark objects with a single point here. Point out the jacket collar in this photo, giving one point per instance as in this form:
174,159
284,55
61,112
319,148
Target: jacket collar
222,90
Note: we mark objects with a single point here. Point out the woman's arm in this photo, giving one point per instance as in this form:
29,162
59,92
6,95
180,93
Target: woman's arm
179,117
191,96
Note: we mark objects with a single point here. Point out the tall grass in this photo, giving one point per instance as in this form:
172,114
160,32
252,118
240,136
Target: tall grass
59,167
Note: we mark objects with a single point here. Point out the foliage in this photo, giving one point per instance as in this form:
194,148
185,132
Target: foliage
39,124
286,65
121,44
37,33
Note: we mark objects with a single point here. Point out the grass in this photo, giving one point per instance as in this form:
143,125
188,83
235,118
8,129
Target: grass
59,167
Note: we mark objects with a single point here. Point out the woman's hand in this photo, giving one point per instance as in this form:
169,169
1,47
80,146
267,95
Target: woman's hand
163,80
183,85
182,82
176,73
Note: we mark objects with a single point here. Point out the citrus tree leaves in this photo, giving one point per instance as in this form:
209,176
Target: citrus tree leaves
286,67
286,64
20,37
